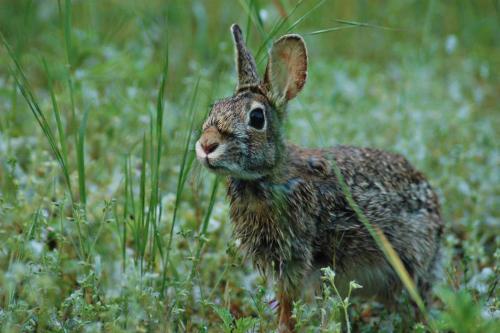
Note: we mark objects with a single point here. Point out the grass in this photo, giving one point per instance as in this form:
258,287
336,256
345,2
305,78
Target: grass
109,224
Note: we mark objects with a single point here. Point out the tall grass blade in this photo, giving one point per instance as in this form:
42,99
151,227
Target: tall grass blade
249,22
323,31
67,31
366,25
253,16
303,17
187,160
57,116
202,234
155,201
80,158
274,31
142,234
131,211
350,24
69,57
125,214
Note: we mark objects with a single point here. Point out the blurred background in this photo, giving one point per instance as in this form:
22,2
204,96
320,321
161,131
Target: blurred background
107,222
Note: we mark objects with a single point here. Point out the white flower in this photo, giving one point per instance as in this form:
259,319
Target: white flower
36,247
451,43
355,285
213,224
263,14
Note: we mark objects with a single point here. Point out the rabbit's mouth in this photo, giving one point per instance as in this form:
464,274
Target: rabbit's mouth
211,166
210,160
217,169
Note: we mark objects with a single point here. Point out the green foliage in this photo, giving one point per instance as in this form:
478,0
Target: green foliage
331,311
108,224
232,325
463,314
226,316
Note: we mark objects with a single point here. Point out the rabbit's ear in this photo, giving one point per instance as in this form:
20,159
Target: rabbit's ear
245,63
286,70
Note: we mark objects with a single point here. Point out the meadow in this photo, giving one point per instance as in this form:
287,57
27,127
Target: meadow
109,224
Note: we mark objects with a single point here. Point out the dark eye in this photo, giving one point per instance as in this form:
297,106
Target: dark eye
257,119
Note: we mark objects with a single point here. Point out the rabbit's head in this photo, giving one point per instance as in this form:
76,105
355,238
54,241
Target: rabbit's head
242,136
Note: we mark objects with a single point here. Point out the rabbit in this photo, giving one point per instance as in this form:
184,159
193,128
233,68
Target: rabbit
287,207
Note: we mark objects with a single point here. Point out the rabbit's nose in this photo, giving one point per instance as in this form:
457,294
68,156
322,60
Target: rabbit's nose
209,147
210,140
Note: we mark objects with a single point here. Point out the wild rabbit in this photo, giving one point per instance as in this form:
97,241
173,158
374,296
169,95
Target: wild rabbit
286,203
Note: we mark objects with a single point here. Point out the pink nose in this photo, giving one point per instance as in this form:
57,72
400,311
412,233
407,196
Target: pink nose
209,147
210,140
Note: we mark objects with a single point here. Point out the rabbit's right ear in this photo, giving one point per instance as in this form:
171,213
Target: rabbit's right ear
286,70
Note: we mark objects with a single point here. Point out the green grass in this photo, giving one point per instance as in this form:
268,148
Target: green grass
107,222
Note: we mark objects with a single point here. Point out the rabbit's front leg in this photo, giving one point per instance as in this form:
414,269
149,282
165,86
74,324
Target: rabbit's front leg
286,322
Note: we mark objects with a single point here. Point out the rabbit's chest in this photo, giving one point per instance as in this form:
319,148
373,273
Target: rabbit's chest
259,225
270,227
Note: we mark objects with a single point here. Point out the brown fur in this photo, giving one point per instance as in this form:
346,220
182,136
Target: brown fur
288,209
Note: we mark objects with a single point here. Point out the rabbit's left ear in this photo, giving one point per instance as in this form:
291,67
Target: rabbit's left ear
286,70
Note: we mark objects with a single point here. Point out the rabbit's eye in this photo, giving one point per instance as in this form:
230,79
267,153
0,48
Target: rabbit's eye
257,119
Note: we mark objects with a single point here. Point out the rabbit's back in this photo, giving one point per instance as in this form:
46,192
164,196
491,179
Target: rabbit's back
394,197
383,184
